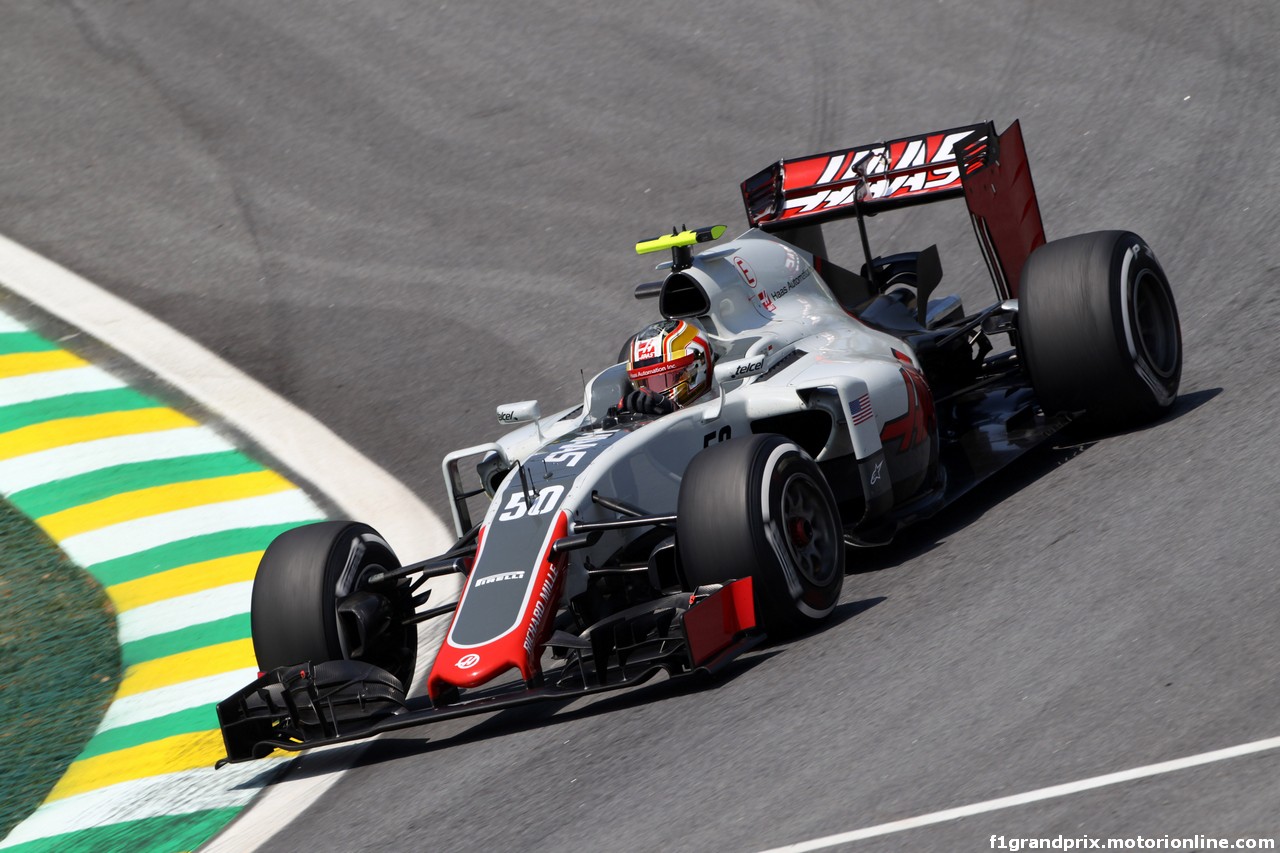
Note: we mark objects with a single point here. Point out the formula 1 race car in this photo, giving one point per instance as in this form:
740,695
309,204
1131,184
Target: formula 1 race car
841,406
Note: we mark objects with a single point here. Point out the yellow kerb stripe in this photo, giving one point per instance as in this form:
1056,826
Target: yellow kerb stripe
184,580
187,666
167,755
159,499
22,363
37,437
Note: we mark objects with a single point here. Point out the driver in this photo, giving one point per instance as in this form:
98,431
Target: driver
669,367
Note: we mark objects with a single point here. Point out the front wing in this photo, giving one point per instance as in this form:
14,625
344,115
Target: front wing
306,705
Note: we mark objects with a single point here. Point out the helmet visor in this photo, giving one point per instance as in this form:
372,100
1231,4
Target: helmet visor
661,383
661,378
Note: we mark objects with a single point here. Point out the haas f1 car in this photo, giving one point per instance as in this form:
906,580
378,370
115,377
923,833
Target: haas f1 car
840,407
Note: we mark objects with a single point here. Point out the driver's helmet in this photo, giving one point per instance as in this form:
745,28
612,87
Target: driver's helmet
670,358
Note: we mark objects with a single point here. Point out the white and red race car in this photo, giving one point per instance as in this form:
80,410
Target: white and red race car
844,406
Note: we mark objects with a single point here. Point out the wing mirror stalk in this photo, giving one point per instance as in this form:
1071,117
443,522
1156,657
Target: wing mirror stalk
731,371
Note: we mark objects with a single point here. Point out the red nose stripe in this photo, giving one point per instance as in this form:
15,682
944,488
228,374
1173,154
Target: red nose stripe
472,666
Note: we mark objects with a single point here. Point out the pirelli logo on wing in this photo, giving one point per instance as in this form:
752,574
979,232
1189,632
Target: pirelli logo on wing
505,576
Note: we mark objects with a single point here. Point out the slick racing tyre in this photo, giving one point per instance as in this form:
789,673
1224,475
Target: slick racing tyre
1099,329
309,601
760,507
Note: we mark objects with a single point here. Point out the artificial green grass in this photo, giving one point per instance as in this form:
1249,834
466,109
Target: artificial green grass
59,663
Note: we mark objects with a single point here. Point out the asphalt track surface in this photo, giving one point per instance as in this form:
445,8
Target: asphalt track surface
399,216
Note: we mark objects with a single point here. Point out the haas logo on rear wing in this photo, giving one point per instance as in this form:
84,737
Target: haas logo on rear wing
878,177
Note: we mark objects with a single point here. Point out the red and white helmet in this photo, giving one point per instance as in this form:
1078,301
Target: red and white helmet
670,358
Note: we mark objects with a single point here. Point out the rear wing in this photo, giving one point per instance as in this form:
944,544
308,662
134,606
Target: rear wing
991,172
876,177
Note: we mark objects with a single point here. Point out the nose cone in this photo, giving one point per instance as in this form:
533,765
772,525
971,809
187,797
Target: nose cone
505,611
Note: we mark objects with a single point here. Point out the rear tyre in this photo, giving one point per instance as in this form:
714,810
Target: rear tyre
1099,329
310,602
760,507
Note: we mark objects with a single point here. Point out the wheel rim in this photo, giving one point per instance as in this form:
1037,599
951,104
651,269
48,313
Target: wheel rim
808,530
348,632
382,648
1155,324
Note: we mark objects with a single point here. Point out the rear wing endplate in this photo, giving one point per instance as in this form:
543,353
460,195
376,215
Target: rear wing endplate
1002,203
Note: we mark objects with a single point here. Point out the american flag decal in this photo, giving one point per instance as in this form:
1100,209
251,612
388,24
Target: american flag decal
860,409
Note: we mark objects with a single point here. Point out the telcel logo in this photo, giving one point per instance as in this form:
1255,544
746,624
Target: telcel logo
749,368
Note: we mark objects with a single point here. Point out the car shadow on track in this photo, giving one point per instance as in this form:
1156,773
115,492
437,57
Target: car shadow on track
926,535
412,743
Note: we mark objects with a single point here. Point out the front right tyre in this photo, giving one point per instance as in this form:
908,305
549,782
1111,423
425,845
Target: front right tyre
760,507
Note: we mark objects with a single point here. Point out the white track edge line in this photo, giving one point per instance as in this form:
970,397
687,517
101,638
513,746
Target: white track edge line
292,436
1031,796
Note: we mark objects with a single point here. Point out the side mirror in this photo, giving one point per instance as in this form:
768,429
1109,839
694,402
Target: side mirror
520,413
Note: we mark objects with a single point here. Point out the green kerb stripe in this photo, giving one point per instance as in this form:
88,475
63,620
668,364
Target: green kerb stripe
12,342
42,500
186,639
166,834
197,549
200,719
73,406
